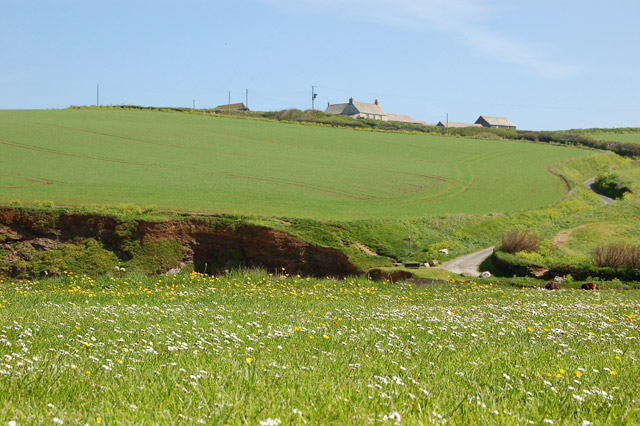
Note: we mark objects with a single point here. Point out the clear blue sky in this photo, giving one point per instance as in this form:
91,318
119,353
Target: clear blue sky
544,64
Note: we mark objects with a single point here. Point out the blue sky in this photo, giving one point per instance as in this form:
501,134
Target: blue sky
546,64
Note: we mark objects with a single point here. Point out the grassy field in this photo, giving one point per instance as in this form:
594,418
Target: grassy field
222,165
617,137
632,174
259,350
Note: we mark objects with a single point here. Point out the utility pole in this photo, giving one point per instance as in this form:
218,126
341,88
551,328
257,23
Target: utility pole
98,95
194,104
229,103
246,98
314,95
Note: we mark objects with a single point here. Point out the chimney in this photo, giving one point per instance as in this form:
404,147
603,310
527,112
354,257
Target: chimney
328,104
376,102
350,100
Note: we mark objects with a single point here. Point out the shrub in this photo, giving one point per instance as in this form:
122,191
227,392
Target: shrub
611,185
88,257
515,241
617,256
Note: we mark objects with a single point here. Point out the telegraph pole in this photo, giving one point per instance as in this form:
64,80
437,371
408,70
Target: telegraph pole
98,95
229,103
194,104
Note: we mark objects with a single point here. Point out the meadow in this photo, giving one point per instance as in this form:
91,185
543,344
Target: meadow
207,164
617,137
258,349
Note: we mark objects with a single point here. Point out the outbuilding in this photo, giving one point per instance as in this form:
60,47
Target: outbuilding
495,122
454,124
232,107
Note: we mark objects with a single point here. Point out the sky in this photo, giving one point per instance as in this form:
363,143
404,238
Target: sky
546,65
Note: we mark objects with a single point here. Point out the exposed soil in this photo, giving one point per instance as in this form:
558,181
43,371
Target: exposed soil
365,249
209,244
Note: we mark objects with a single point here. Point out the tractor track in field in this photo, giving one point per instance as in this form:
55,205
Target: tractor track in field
315,188
37,181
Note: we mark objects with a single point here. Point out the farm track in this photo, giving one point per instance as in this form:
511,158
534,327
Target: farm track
470,263
590,183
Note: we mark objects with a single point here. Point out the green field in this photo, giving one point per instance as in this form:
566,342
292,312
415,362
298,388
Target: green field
255,349
617,137
209,164
632,174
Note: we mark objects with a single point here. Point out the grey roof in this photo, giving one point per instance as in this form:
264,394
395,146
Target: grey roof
355,108
403,119
232,106
456,124
497,121
335,109
369,108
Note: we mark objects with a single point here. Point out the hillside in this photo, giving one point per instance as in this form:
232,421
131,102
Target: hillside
209,164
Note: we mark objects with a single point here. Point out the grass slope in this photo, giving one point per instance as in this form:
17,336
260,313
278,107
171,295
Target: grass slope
617,137
222,165
257,349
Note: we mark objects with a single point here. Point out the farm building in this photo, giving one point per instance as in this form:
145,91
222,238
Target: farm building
365,110
455,124
358,110
403,119
495,122
232,107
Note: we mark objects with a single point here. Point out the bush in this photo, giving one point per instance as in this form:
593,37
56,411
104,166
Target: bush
515,241
617,256
87,257
611,185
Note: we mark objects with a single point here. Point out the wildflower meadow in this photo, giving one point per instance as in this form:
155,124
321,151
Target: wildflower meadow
259,349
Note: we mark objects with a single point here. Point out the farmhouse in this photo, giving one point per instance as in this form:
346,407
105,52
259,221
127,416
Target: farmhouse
232,107
358,110
365,110
455,124
495,122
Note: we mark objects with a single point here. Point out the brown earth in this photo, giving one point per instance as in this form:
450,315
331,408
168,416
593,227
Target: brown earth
210,244
365,249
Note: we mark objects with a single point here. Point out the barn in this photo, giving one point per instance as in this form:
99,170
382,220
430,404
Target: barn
454,124
495,122
232,107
